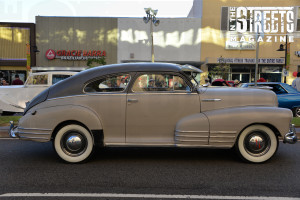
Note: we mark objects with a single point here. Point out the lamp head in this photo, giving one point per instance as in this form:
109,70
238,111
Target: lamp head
147,10
146,19
156,22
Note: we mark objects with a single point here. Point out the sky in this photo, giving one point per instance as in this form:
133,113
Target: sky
26,10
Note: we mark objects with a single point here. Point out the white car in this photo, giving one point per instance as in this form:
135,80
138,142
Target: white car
13,98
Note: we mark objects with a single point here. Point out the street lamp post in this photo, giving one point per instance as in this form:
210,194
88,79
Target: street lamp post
281,48
151,16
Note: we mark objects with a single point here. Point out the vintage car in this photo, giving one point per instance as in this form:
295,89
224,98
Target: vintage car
288,97
13,98
153,105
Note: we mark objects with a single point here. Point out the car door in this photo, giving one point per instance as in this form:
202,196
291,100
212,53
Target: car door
155,103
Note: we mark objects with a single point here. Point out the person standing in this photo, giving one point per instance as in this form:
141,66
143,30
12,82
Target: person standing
17,80
296,82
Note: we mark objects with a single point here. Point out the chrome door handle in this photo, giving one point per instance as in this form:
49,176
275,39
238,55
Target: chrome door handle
211,100
132,100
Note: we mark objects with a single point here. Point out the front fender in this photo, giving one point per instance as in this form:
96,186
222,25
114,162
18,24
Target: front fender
234,120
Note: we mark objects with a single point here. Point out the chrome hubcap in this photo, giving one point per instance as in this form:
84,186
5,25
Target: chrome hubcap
257,143
73,143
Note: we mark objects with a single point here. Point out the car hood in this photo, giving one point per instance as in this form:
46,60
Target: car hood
225,97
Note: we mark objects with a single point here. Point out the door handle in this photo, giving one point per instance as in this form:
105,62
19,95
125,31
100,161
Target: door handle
132,100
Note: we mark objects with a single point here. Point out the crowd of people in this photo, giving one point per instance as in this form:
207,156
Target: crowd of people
16,81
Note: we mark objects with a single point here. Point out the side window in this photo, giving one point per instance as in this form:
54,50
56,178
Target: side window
38,80
58,77
114,83
278,89
159,83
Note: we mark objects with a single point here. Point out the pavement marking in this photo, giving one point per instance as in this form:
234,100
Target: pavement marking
151,196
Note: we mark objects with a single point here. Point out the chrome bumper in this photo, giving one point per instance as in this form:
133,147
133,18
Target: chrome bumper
291,136
12,129
33,134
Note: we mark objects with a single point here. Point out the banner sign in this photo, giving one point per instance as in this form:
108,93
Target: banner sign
74,54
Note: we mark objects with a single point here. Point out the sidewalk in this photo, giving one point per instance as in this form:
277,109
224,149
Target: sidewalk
4,132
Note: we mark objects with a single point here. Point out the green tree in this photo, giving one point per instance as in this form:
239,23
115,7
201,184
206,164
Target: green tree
93,62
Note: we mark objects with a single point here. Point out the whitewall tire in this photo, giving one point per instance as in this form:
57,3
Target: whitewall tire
73,143
257,144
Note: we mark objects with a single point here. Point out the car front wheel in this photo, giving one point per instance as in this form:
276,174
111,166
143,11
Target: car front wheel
257,144
73,143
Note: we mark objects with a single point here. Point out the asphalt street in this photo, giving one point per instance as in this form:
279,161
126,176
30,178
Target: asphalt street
30,169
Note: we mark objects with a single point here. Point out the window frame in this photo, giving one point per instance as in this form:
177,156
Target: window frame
138,74
107,76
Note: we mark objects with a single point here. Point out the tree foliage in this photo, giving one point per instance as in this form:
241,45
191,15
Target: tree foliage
93,62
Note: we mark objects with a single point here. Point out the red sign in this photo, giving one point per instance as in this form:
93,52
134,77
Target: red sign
74,54
50,54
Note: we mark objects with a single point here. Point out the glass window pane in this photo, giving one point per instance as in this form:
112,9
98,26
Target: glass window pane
116,83
38,80
58,77
159,83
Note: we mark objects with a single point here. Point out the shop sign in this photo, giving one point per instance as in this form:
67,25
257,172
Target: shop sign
74,54
236,45
253,60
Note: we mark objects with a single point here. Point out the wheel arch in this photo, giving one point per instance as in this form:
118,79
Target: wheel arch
272,127
97,135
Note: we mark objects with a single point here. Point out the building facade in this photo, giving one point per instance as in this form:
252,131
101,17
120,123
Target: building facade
222,45
17,50
66,43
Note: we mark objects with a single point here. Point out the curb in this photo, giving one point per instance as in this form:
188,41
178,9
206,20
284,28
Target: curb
4,132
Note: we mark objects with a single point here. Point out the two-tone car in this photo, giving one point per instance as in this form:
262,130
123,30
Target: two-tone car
153,105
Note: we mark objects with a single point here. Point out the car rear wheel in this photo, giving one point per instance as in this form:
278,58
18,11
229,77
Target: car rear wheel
257,144
73,143
296,112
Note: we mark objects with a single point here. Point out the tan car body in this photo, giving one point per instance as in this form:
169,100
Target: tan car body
202,117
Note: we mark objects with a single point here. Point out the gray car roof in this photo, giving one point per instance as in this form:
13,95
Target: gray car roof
74,84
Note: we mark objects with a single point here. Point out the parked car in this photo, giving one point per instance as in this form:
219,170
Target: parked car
221,82
288,97
158,105
13,98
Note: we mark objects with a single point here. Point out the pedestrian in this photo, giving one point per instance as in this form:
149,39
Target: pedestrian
17,80
3,82
296,82
236,83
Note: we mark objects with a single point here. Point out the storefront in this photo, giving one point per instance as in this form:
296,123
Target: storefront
17,50
228,31
243,69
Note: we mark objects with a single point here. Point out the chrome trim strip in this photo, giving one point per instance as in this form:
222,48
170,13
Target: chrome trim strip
225,136
223,132
39,129
218,141
211,100
183,140
34,138
191,136
179,131
33,133
162,93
